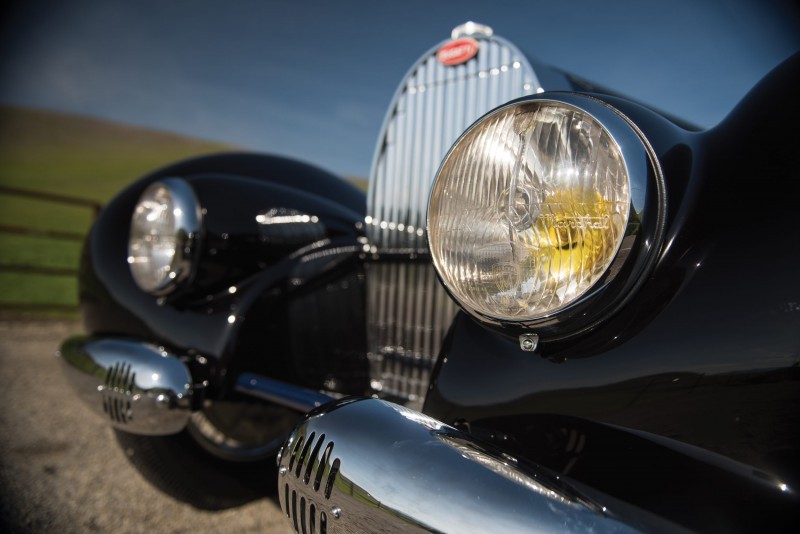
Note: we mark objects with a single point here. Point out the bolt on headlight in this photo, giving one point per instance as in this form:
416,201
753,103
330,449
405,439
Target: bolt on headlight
531,206
165,227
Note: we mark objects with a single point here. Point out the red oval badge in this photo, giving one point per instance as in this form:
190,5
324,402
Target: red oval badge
457,52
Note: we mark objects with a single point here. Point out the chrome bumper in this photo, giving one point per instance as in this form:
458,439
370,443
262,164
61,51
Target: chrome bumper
373,466
137,387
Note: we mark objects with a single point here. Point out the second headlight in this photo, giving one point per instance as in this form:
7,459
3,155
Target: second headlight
165,227
531,206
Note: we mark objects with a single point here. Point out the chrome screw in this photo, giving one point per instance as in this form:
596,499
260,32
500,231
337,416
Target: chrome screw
336,512
528,342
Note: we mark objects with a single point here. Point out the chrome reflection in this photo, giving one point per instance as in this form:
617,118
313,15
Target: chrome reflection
280,393
286,226
137,387
271,217
370,466
470,28
500,467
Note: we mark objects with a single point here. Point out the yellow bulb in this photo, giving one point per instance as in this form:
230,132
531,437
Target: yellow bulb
575,233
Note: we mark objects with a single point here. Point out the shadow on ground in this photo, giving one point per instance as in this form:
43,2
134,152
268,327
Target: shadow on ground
60,466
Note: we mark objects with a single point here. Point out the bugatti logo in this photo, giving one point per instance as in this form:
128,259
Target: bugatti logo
457,52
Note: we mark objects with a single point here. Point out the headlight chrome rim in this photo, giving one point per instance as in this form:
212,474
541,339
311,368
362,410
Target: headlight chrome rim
634,255
185,224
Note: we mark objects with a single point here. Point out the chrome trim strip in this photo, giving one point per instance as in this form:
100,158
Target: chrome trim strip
137,387
281,393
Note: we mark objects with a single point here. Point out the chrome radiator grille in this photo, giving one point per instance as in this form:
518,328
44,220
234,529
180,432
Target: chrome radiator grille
409,316
408,311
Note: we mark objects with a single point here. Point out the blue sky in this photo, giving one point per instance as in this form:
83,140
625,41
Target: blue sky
313,79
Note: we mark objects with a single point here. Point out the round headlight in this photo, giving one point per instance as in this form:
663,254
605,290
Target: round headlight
531,206
164,230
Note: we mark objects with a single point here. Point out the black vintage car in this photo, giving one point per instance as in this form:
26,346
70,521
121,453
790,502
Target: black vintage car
554,309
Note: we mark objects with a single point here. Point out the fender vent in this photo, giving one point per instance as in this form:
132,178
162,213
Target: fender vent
397,471
312,465
117,390
135,386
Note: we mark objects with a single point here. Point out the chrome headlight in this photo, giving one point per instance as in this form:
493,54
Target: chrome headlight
164,232
537,205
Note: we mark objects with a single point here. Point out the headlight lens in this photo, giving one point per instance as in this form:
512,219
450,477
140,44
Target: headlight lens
164,230
529,210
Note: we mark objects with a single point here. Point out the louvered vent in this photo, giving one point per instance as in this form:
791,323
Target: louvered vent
117,391
408,311
311,462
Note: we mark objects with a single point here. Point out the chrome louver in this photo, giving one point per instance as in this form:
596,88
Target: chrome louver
396,471
408,311
140,388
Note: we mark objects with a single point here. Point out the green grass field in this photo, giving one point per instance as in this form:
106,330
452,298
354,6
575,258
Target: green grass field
76,157
72,156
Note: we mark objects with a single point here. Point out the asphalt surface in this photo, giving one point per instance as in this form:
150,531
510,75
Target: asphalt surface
61,469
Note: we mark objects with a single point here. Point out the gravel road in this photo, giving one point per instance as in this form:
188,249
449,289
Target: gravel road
60,467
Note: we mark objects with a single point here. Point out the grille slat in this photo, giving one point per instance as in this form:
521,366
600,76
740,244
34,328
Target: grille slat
408,311
419,315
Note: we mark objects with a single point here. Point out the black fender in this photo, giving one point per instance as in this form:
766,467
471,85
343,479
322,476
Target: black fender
707,353
239,261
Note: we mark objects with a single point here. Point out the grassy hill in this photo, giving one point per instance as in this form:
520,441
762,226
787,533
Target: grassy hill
73,156
81,156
